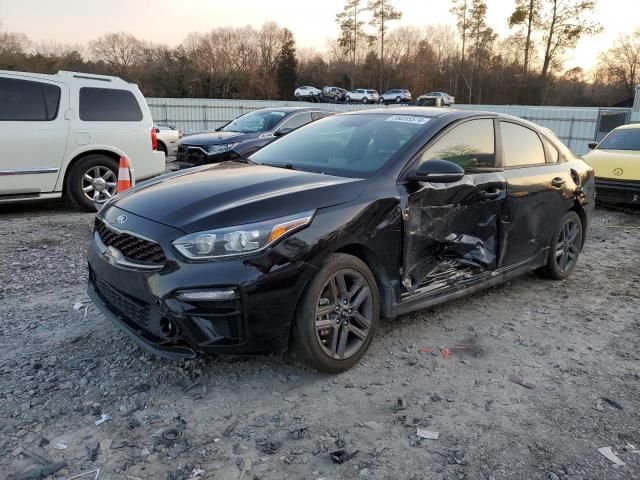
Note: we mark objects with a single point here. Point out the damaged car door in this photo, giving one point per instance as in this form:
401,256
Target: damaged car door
451,227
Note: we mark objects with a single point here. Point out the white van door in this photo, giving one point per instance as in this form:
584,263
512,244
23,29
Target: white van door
33,134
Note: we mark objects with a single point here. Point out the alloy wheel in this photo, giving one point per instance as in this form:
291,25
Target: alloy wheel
567,245
344,314
99,184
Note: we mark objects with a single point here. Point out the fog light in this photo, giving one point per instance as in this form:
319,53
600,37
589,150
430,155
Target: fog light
213,295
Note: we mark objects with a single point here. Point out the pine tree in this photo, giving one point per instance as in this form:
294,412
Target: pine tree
382,12
287,66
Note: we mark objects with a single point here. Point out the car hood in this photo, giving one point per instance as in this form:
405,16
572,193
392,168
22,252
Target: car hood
214,138
615,164
233,193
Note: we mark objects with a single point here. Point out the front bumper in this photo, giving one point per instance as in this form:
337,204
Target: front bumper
618,191
146,304
195,157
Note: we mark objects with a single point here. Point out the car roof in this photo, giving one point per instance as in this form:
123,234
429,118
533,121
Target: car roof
630,126
291,109
70,77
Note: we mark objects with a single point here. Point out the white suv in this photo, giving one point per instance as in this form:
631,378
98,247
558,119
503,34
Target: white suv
65,133
363,95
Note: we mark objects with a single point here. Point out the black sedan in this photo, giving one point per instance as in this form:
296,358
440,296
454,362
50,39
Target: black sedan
315,237
244,135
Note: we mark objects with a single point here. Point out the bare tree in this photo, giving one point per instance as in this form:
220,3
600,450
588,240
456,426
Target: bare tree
352,32
382,12
621,63
119,50
564,22
527,14
460,8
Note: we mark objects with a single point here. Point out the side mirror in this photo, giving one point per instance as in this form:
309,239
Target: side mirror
282,131
592,145
437,171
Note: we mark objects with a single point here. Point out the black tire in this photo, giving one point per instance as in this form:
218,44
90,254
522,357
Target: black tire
74,183
162,148
365,100
398,99
308,346
348,99
565,248
337,98
381,100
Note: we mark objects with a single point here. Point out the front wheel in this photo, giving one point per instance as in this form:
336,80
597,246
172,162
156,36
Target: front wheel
364,100
348,99
381,100
565,248
398,99
338,315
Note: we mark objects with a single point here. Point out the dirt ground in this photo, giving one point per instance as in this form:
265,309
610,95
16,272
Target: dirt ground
574,342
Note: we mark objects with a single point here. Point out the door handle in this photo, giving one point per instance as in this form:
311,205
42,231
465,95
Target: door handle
490,194
558,182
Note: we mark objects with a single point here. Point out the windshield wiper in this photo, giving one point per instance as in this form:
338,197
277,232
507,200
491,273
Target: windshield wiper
288,166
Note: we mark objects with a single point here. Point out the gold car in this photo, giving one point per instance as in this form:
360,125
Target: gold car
616,160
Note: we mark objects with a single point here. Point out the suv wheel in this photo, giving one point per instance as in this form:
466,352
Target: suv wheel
92,180
338,315
365,100
348,99
398,99
565,248
381,100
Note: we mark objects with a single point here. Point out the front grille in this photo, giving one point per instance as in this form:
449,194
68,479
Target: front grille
134,248
135,312
191,155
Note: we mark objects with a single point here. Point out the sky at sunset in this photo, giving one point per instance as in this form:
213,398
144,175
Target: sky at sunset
169,21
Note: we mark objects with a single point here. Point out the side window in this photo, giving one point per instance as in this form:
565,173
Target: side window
319,115
553,151
24,100
297,120
108,105
521,146
470,145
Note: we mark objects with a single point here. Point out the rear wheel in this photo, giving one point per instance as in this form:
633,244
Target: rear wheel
348,99
565,248
92,180
381,100
365,100
398,99
338,315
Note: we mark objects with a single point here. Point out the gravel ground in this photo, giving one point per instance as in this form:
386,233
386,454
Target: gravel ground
574,342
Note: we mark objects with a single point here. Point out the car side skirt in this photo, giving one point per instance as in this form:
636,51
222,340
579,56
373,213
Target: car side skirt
427,297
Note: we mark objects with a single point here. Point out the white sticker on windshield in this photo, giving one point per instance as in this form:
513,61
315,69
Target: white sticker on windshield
408,119
278,114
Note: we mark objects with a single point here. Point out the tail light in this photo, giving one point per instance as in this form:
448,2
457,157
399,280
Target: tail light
154,138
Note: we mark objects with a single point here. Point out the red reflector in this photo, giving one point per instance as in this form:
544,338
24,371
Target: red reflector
154,138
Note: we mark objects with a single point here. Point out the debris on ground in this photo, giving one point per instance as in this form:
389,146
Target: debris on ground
90,475
246,468
61,445
341,456
400,404
608,452
613,403
373,426
427,434
105,417
516,379
268,446
169,436
33,466
92,446
227,431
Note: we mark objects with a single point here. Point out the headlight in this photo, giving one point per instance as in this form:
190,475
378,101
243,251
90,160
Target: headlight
240,240
221,148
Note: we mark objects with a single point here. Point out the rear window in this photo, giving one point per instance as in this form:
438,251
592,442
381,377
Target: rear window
108,105
24,100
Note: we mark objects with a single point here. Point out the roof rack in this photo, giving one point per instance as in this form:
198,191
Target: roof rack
89,76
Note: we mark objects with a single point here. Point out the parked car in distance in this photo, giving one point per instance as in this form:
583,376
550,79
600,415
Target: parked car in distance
168,138
358,216
432,98
307,91
336,94
64,134
397,95
616,160
244,135
363,95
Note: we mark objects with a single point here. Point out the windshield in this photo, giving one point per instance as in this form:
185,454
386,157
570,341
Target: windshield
627,139
254,122
354,146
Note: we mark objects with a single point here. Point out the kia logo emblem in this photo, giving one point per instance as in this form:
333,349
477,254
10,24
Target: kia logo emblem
120,219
